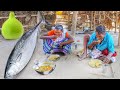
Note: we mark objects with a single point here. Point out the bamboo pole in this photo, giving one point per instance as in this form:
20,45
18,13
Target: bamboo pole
19,16
38,17
69,19
108,17
91,20
94,20
119,37
74,23
116,17
103,15
99,18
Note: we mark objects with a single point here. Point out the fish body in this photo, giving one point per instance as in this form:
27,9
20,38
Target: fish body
21,53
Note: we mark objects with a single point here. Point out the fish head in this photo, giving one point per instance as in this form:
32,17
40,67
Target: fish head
7,76
11,72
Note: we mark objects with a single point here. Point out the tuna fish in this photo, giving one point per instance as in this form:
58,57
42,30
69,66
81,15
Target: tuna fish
21,53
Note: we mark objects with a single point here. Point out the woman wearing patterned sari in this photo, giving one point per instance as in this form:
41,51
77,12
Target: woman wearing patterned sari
57,41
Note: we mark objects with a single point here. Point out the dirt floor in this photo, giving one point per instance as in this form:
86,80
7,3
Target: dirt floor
68,67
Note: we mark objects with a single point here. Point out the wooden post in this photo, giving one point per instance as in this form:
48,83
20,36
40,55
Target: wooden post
68,16
91,20
38,16
116,17
74,23
94,20
99,12
38,19
69,20
119,37
103,15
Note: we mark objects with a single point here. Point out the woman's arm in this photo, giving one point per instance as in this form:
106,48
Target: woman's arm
93,44
45,36
70,40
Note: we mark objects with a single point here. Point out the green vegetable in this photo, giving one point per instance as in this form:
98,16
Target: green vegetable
12,28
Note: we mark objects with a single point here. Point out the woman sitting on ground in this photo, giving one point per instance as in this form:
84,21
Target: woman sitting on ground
57,41
101,46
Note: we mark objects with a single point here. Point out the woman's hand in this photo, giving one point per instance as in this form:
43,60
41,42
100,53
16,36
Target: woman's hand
93,44
96,42
61,45
107,61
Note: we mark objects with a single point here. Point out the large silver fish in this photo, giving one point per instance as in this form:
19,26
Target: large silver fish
22,53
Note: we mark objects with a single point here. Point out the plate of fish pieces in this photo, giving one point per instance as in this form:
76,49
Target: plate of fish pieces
53,57
44,68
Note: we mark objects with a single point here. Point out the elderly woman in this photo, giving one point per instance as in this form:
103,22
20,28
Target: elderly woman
57,41
101,46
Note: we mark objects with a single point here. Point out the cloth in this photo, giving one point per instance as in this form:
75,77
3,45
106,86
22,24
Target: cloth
64,34
49,45
106,52
95,53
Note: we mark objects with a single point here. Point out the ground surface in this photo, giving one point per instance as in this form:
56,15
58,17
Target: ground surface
68,67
